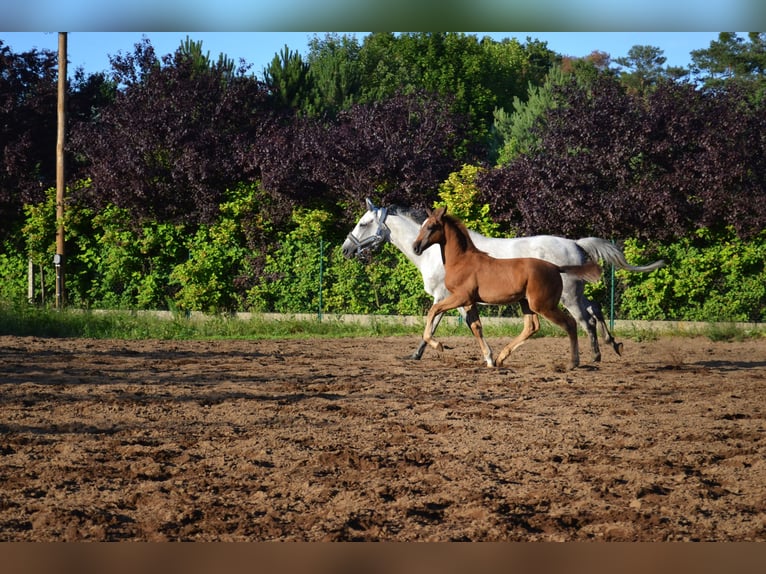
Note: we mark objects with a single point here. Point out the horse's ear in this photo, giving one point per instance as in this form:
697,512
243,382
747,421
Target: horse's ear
370,205
440,211
428,211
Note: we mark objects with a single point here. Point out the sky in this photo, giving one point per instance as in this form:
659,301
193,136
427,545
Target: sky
91,50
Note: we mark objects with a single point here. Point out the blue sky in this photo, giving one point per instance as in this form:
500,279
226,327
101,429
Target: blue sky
91,50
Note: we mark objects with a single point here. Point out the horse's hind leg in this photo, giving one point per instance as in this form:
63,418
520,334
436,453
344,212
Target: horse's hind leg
531,326
474,323
594,310
578,306
566,322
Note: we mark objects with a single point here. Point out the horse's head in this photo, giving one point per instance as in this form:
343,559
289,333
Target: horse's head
369,234
431,232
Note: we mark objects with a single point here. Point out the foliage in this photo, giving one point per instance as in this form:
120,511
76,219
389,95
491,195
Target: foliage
287,79
335,74
643,68
216,275
13,275
28,96
734,59
402,146
480,75
458,194
710,276
520,131
616,164
391,285
192,185
291,276
167,148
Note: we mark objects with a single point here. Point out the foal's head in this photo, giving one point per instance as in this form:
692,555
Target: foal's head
434,230
431,232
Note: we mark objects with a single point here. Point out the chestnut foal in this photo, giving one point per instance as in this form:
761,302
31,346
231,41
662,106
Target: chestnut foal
473,277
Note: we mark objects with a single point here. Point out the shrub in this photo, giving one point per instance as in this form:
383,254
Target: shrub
710,276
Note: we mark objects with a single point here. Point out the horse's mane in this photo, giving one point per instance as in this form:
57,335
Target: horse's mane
416,214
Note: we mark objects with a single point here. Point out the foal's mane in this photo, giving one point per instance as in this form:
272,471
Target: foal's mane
463,238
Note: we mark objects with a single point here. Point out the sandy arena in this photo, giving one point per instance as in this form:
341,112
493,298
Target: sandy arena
347,440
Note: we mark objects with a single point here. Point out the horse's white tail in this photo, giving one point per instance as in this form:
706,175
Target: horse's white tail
598,249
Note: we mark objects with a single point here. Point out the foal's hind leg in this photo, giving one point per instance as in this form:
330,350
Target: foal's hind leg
566,322
472,318
531,326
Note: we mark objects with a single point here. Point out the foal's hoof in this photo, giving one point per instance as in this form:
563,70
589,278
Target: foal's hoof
617,348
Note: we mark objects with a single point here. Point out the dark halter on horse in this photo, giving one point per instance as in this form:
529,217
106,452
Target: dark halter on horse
381,235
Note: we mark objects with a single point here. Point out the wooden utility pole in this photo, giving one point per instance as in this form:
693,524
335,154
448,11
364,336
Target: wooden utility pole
58,259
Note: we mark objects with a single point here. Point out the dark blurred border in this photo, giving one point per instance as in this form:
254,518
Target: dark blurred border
379,558
388,15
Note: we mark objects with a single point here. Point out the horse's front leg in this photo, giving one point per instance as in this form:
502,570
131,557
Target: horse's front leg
474,323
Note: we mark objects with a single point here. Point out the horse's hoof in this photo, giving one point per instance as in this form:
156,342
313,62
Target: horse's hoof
597,358
413,357
618,348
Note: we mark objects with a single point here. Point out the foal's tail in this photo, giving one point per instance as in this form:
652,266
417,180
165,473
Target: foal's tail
590,271
598,249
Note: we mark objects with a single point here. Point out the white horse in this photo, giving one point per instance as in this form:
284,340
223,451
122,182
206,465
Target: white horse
400,226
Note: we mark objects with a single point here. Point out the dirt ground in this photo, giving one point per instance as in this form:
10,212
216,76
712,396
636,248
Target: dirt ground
347,440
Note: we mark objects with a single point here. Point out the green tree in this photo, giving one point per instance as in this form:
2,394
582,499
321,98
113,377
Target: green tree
334,72
733,58
481,75
287,79
643,68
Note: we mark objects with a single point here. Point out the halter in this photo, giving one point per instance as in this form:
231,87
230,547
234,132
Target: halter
381,235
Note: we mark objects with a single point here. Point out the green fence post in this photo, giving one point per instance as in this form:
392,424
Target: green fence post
321,272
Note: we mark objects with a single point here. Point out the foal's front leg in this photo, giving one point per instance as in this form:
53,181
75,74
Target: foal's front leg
436,310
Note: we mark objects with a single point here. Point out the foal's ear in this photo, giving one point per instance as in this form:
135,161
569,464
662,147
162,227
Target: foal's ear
439,212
